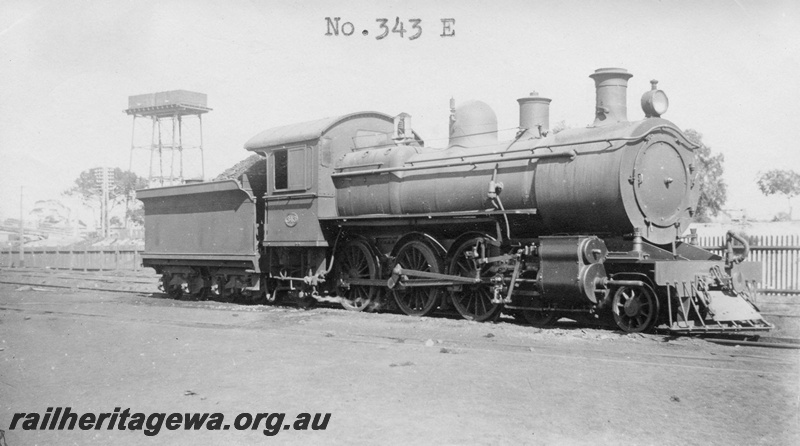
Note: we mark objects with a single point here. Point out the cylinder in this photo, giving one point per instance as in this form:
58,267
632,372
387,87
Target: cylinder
611,85
534,112
565,275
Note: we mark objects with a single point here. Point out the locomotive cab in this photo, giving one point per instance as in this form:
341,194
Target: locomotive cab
299,191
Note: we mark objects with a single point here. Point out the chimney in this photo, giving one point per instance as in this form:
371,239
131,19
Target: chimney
611,105
534,113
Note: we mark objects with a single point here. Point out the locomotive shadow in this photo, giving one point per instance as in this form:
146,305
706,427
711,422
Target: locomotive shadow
604,324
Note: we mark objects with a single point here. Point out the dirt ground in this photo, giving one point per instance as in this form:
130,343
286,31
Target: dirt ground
384,378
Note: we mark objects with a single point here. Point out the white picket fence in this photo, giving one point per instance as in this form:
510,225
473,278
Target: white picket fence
779,256
77,259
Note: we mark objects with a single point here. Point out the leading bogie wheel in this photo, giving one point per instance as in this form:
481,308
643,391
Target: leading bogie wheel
355,260
537,318
474,301
418,301
635,308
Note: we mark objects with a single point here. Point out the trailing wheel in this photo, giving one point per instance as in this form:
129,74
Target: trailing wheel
270,293
418,301
356,261
635,308
474,302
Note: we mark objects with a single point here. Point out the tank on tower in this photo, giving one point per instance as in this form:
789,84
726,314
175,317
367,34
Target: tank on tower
169,134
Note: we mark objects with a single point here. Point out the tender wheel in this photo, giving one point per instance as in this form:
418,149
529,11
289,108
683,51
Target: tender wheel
418,301
196,286
537,318
473,302
216,288
224,294
174,291
356,261
635,309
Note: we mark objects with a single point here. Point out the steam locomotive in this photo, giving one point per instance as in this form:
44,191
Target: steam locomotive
584,223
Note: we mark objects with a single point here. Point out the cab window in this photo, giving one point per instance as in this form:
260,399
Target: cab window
289,169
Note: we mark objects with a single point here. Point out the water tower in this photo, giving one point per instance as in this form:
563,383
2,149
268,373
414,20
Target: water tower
176,126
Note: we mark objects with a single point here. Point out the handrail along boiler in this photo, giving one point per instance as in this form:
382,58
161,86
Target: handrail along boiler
584,223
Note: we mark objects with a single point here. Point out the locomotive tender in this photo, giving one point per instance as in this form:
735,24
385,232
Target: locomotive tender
584,223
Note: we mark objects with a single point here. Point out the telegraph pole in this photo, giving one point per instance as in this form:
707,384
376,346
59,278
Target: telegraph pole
104,204
21,228
102,176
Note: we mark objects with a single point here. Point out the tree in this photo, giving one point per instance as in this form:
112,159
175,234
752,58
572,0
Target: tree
50,212
135,214
784,182
559,127
713,190
122,190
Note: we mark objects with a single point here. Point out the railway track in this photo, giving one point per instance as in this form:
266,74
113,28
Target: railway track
96,276
68,279
70,287
34,280
761,341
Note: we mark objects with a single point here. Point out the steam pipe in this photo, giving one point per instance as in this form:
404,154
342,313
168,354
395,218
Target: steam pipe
571,154
634,283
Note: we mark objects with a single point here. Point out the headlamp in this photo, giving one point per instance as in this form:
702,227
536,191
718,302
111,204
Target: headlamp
654,102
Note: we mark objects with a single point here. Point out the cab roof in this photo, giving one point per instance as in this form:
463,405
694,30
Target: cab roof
306,131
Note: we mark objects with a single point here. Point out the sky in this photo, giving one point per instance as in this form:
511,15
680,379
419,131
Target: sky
67,68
